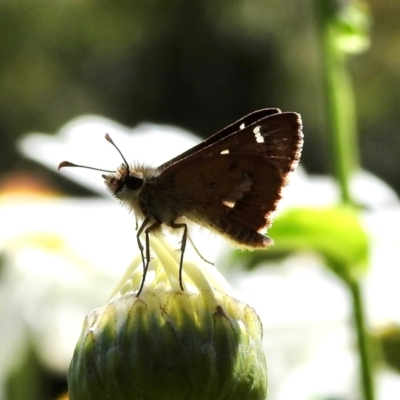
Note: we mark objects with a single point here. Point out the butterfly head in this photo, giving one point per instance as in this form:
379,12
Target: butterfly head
124,183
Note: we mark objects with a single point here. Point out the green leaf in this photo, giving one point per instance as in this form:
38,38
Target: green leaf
334,233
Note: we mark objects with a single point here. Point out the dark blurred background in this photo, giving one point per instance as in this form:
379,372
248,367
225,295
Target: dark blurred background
197,64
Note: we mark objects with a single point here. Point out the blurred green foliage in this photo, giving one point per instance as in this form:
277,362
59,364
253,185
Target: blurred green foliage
336,234
196,64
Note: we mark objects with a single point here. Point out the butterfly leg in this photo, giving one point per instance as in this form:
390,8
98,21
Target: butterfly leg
197,251
183,247
139,232
145,257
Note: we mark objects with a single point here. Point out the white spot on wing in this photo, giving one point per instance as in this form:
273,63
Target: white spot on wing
224,152
228,203
242,126
237,192
257,134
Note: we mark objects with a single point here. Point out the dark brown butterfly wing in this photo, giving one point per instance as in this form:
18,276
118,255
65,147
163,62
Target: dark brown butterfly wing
233,185
230,129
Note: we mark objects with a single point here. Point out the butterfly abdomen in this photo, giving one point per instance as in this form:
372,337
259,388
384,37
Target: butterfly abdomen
242,236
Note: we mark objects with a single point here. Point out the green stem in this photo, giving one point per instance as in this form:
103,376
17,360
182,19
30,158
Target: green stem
363,341
340,109
342,131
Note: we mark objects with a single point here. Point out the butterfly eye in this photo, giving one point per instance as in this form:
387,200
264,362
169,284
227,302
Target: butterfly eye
133,182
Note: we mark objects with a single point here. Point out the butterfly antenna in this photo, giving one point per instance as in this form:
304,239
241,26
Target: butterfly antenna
70,164
108,138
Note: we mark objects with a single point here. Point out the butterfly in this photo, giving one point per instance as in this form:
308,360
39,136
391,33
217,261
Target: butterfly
229,183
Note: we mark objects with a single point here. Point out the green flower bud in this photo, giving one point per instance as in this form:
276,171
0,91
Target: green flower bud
168,344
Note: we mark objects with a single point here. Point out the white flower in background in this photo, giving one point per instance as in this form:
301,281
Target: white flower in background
82,141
